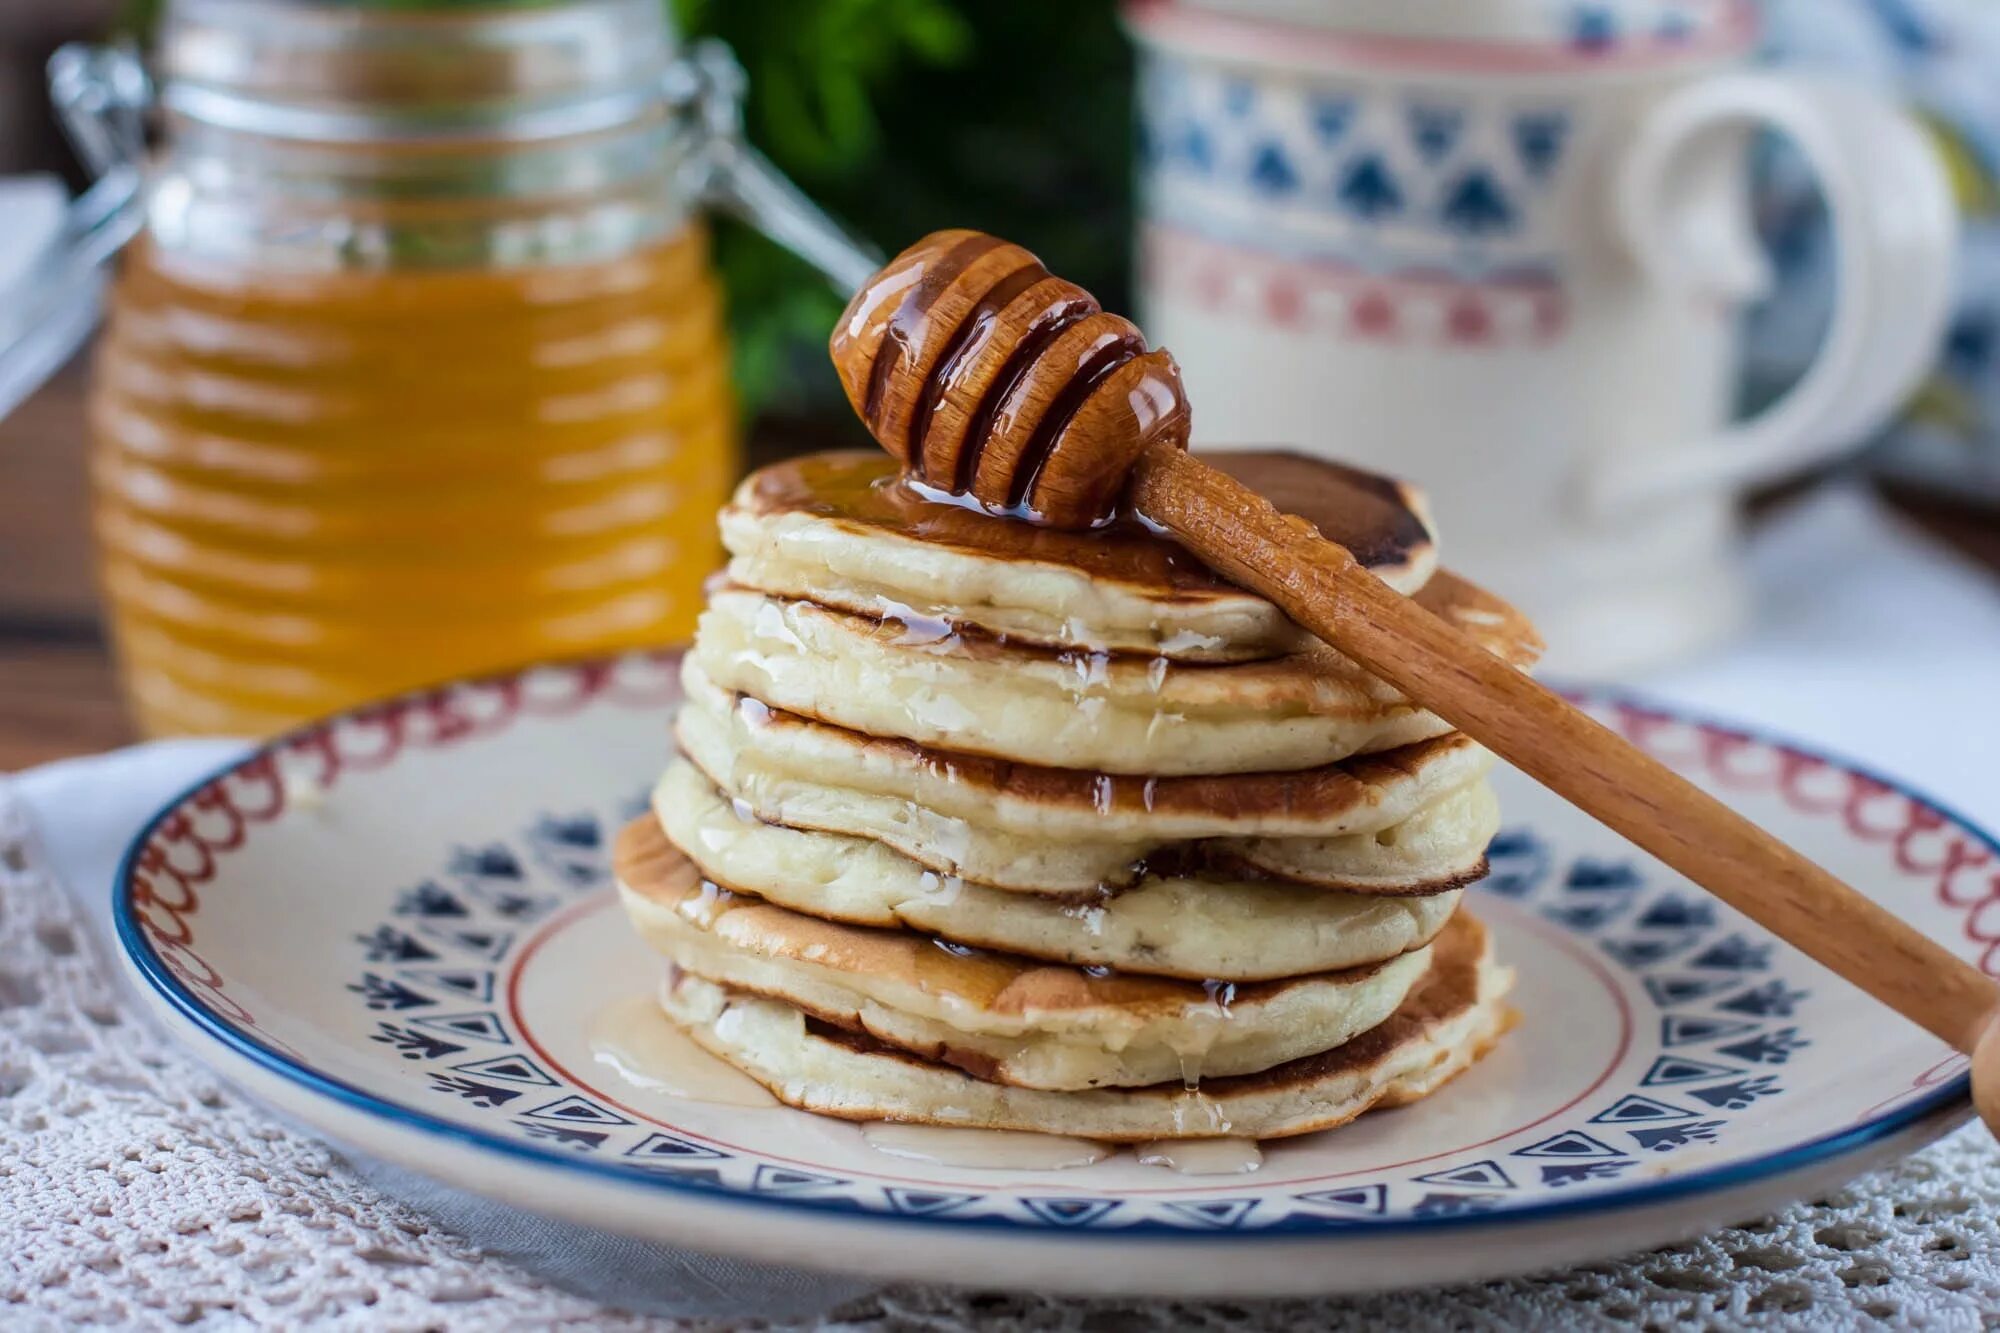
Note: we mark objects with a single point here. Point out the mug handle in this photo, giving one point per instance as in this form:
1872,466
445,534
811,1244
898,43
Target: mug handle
1895,231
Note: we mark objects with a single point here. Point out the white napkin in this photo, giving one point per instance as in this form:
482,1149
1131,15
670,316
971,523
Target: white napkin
86,810
1872,643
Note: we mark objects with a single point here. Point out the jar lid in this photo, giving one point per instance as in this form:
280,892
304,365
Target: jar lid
445,72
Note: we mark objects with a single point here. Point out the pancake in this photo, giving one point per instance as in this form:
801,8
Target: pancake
1448,1021
1364,792
840,529
1032,829
1172,926
1116,714
1008,1019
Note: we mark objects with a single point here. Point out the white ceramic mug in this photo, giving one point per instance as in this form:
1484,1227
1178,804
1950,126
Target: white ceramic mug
1497,246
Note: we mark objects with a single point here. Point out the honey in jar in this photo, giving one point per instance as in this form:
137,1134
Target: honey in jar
316,488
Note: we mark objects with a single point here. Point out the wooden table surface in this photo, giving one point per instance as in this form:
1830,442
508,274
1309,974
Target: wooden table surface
58,696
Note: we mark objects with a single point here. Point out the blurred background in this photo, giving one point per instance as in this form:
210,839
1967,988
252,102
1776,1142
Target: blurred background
896,116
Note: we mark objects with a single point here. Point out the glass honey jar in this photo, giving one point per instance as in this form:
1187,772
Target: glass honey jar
413,365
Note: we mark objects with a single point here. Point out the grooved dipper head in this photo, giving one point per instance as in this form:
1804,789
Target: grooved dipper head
988,376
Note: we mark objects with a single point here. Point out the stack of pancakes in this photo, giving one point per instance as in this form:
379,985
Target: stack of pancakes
976,823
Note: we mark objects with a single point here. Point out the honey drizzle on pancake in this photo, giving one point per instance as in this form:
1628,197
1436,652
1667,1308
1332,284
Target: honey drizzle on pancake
905,331
1049,324
1097,366
1368,514
961,353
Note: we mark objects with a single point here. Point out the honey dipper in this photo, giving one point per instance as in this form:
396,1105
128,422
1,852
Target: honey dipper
989,377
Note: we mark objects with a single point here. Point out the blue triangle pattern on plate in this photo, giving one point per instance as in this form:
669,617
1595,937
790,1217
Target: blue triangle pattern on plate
1071,1212
387,944
1571,1143
472,983
1633,1109
413,1045
1520,863
1685,1029
1590,875
789,1179
1773,999
1557,1175
1666,1138
380,992
482,1026
569,1136
1767,1048
581,831
575,1110
1222,1214
492,861
1680,1069
1671,990
1515,842
1587,916
514,904
1675,912
508,1069
492,945
657,1147
924,1203
1737,953
1486,1175
429,899
1650,949
1739,1094
1372,1200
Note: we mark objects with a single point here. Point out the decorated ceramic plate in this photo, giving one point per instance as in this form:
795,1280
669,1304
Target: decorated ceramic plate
399,926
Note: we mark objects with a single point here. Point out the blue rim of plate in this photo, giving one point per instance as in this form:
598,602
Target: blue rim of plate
1957,1089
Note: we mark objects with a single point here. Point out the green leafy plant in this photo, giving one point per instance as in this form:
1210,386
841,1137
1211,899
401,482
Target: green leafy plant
902,116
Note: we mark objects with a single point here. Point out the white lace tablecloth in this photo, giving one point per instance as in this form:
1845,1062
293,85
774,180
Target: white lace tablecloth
137,1190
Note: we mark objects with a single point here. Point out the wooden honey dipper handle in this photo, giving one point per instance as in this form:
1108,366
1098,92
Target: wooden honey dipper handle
1320,585
989,377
